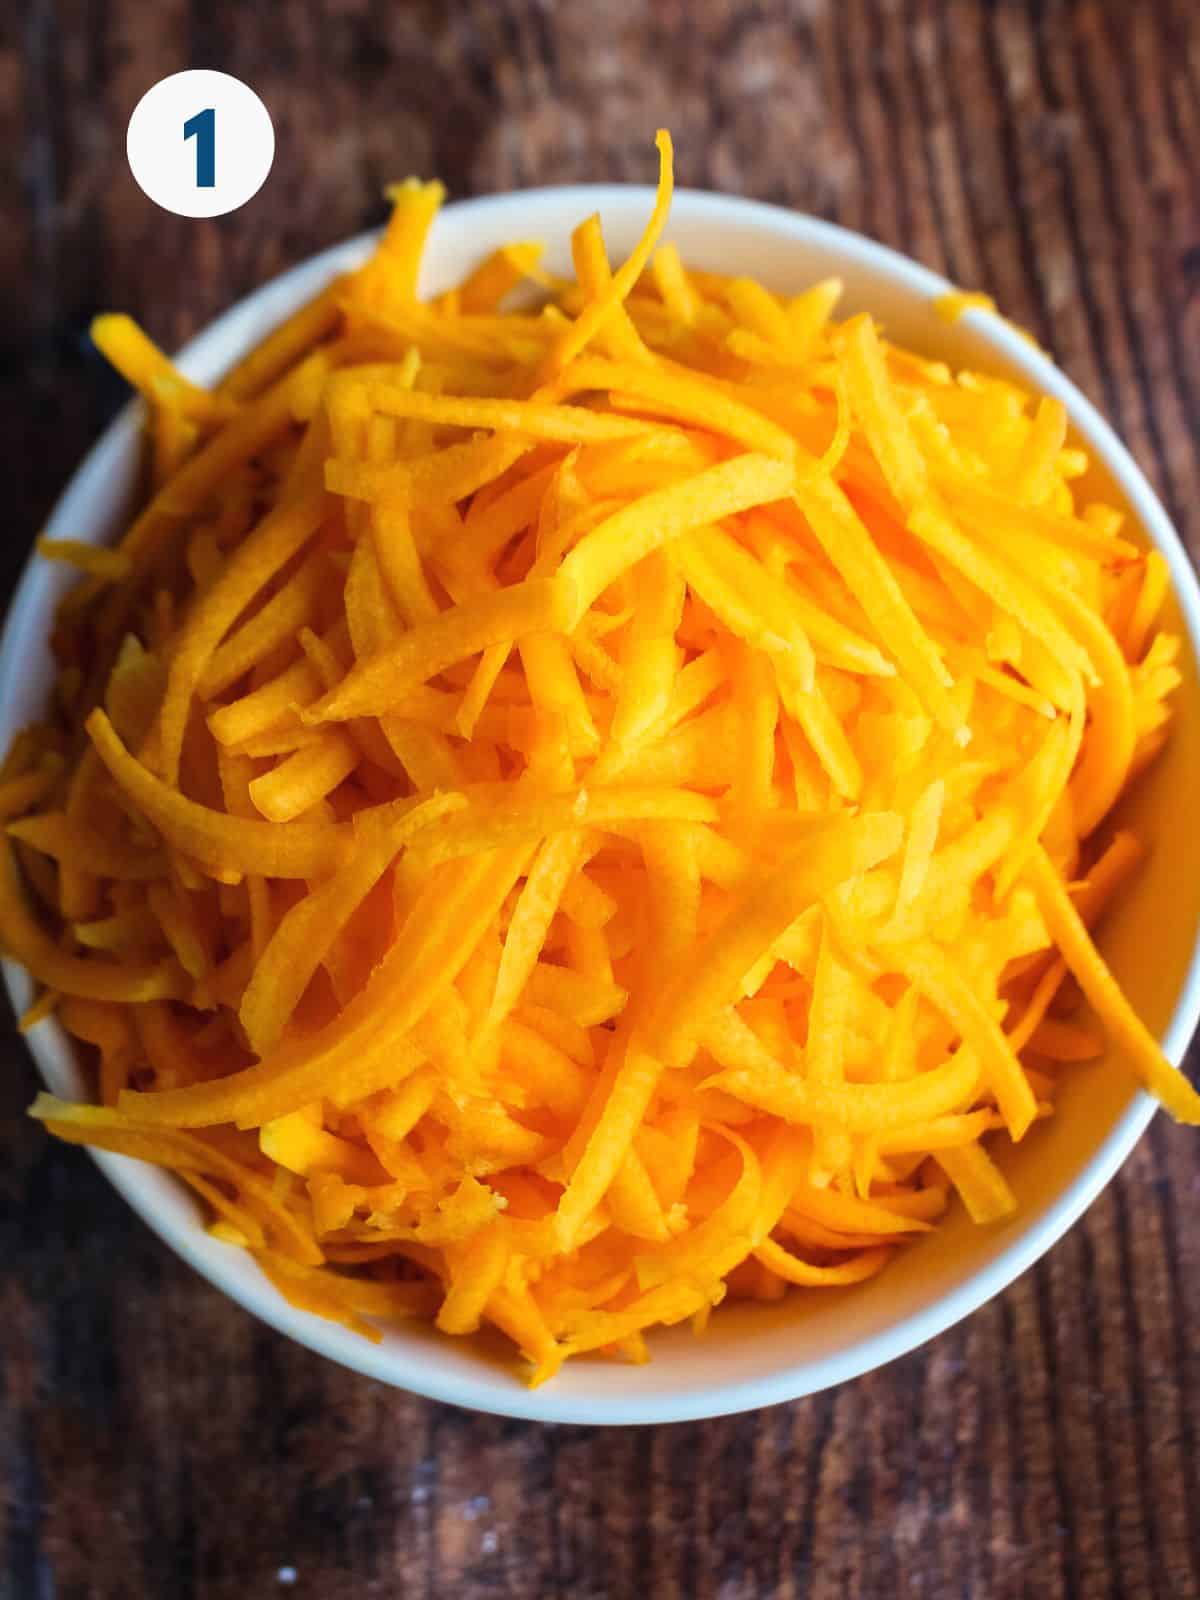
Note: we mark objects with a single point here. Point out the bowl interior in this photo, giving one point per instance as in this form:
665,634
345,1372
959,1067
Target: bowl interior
764,1353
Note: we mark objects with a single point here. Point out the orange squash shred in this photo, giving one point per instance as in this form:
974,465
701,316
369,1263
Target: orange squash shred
557,814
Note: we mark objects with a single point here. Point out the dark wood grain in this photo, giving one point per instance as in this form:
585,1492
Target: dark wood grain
154,1441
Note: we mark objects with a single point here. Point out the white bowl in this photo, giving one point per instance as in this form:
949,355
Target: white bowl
752,1355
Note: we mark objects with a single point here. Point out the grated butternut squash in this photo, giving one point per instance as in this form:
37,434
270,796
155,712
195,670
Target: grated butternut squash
555,816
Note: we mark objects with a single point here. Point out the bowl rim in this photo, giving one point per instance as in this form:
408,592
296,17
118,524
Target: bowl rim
489,1391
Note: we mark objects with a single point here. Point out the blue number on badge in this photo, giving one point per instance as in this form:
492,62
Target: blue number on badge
203,127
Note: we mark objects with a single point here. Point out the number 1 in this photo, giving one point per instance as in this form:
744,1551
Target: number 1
204,126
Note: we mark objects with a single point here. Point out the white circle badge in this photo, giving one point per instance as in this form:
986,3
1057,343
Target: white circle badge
200,143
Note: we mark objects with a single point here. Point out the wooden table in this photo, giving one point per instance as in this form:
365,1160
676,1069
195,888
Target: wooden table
154,1441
